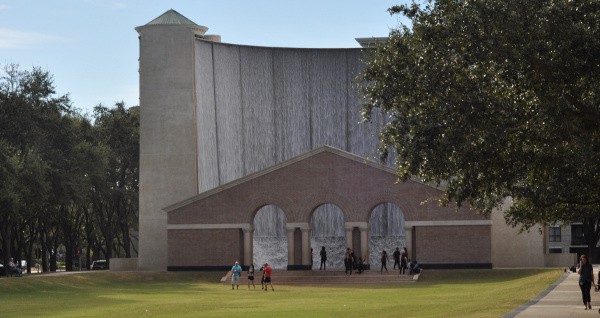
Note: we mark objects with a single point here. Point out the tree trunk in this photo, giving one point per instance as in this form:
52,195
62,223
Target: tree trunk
45,264
591,228
126,240
5,233
69,256
29,247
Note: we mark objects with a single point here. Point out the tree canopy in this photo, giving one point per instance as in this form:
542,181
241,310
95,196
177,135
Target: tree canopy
66,183
495,99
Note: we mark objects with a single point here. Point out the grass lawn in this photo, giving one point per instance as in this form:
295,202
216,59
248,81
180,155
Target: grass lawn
451,293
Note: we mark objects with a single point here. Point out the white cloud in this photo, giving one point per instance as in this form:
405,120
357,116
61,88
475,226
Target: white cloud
14,39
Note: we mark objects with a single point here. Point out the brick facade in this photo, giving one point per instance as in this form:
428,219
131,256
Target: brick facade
298,187
461,245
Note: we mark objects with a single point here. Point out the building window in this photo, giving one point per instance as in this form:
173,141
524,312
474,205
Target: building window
577,234
554,232
555,250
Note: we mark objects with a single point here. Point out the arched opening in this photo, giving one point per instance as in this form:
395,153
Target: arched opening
387,233
327,223
270,238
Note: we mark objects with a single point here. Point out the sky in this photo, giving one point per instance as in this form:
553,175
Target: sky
91,49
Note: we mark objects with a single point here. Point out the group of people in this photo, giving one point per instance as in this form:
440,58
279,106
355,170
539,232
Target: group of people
236,272
402,261
351,263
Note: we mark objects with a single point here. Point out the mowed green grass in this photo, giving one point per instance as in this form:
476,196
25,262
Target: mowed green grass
449,293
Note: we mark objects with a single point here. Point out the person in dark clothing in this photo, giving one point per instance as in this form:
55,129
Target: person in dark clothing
360,265
396,256
384,260
262,280
323,255
251,276
349,261
403,262
415,267
586,279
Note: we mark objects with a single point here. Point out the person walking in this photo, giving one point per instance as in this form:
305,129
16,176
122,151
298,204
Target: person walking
268,270
586,279
347,261
262,280
323,255
384,260
396,256
236,271
251,276
403,262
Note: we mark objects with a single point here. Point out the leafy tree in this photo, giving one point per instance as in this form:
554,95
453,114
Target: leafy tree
28,107
64,182
495,99
116,204
33,188
9,198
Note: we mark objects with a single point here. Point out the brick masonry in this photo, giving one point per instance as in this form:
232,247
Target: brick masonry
298,187
453,244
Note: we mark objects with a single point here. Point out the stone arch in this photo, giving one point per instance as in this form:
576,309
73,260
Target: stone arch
386,223
269,225
327,224
266,199
402,200
319,199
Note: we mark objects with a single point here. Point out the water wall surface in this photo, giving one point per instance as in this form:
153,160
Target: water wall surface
259,106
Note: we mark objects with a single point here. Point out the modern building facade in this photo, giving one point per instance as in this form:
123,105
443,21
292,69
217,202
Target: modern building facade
228,129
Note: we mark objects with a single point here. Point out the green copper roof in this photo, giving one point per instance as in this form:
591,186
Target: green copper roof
173,17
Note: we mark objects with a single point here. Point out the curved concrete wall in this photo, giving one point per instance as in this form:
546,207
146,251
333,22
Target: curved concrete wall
212,113
259,106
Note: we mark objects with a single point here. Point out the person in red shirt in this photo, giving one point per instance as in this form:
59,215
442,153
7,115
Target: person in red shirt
268,270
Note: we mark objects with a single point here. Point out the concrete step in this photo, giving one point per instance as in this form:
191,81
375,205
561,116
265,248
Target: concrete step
326,278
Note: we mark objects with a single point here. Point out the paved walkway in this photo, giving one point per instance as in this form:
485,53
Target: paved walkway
561,299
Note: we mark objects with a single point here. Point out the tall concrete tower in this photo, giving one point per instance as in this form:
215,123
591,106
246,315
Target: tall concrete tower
168,169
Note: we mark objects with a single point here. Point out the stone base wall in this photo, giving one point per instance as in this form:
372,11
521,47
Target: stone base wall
123,264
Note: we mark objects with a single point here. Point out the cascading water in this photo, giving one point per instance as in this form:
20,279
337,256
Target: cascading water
387,233
327,223
270,238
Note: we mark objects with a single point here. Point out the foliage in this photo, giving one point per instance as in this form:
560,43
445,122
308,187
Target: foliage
495,99
116,205
53,162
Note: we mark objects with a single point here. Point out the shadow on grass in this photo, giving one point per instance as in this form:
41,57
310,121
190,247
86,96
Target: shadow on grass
475,276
